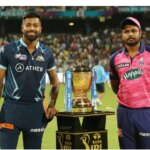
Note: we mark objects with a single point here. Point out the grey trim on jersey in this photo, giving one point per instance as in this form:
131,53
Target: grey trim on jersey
2,67
16,86
40,87
51,68
24,44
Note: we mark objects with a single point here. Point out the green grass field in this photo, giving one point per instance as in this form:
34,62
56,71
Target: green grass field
109,104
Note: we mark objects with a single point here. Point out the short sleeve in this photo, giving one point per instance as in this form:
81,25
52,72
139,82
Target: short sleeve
51,61
3,58
112,71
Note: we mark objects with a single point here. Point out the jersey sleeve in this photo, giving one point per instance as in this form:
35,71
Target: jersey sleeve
3,58
51,61
112,70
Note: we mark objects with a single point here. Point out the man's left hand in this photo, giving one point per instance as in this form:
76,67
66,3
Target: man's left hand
50,112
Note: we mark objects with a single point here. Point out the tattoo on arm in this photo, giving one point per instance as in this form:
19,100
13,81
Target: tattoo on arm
53,96
54,83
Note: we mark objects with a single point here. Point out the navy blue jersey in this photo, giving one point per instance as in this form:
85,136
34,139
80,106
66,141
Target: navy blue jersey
25,72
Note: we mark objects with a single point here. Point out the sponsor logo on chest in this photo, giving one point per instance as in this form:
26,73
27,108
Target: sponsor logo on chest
21,56
133,74
20,68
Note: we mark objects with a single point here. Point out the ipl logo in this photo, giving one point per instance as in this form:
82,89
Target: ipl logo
85,140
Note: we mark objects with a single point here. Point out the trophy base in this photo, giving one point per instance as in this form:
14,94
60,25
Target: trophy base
82,104
82,109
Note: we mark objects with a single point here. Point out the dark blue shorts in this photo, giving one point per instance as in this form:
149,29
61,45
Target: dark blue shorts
100,87
133,127
25,117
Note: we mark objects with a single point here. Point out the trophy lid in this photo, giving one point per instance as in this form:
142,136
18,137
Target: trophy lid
81,68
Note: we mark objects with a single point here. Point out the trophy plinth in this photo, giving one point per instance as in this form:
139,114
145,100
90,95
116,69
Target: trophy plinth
81,83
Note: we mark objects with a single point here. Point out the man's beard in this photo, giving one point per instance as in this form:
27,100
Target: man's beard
31,38
132,43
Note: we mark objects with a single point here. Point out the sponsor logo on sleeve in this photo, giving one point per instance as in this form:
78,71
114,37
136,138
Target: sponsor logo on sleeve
122,65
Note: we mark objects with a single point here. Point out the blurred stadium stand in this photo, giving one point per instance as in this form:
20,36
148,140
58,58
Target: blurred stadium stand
76,32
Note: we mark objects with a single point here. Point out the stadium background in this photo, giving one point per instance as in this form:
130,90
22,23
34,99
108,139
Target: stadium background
75,33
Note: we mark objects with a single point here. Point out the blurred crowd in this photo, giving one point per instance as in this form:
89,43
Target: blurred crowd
69,49
41,9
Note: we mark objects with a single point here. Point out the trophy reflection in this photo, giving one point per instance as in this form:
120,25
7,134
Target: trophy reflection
81,84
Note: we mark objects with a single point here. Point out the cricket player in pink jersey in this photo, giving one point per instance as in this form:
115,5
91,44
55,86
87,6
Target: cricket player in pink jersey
130,80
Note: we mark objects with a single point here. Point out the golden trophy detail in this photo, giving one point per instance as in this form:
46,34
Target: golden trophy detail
81,84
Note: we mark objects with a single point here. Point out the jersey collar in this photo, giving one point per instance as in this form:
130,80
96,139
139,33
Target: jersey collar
141,49
25,45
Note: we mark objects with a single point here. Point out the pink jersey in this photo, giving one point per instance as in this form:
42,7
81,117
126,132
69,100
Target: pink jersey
134,77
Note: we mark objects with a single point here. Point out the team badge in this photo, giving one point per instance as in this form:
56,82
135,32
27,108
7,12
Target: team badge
141,62
39,58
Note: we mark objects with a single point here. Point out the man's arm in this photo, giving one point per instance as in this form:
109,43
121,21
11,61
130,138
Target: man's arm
113,74
2,75
54,83
114,85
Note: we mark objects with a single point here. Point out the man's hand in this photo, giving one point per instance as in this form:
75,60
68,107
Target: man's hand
50,112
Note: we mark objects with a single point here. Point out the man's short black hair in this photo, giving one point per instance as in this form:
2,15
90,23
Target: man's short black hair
31,15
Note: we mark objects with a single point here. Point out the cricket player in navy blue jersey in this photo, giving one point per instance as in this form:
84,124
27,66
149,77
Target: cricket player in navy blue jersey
23,64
